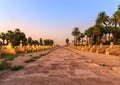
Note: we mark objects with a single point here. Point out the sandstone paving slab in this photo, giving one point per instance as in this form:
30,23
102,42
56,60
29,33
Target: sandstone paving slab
116,69
63,67
108,60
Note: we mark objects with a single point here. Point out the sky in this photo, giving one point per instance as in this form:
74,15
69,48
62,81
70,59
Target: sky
54,19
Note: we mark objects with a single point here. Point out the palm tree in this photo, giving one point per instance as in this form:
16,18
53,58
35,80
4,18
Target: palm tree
102,19
91,34
105,31
118,14
23,38
98,32
10,37
3,37
29,40
75,33
41,42
78,39
35,42
46,42
88,34
67,41
109,31
17,30
115,20
7,38
51,42
82,36
19,36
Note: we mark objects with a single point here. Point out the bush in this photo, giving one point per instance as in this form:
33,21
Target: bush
8,57
43,54
36,57
31,60
16,68
5,65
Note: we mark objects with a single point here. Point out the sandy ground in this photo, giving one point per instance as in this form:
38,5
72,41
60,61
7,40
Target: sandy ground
67,67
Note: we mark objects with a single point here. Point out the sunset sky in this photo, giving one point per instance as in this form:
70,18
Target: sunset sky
53,19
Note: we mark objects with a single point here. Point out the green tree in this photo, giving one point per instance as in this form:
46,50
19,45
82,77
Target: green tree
35,42
88,34
110,30
98,33
23,38
3,37
19,36
51,42
79,39
115,20
102,19
75,33
48,42
118,36
67,41
29,40
105,31
82,36
41,42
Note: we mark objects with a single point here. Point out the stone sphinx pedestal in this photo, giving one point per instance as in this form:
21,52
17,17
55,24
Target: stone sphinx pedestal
20,48
28,48
33,48
107,51
7,49
111,44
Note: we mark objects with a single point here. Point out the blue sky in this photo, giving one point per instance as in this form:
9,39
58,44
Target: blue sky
52,18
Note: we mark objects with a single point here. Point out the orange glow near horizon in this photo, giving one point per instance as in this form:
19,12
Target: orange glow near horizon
36,31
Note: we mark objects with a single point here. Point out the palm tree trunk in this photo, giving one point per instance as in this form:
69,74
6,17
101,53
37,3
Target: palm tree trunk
82,41
7,42
98,39
3,41
115,33
87,40
109,37
78,42
74,40
105,37
91,40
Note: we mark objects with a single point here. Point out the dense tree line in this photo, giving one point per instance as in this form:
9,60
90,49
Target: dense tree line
105,27
16,36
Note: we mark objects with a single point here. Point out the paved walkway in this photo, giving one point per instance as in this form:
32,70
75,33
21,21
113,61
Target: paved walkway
63,67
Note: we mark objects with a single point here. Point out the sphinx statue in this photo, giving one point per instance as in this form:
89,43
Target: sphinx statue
28,48
20,48
7,49
33,48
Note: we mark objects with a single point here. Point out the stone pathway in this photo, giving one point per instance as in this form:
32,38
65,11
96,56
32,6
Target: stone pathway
63,67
